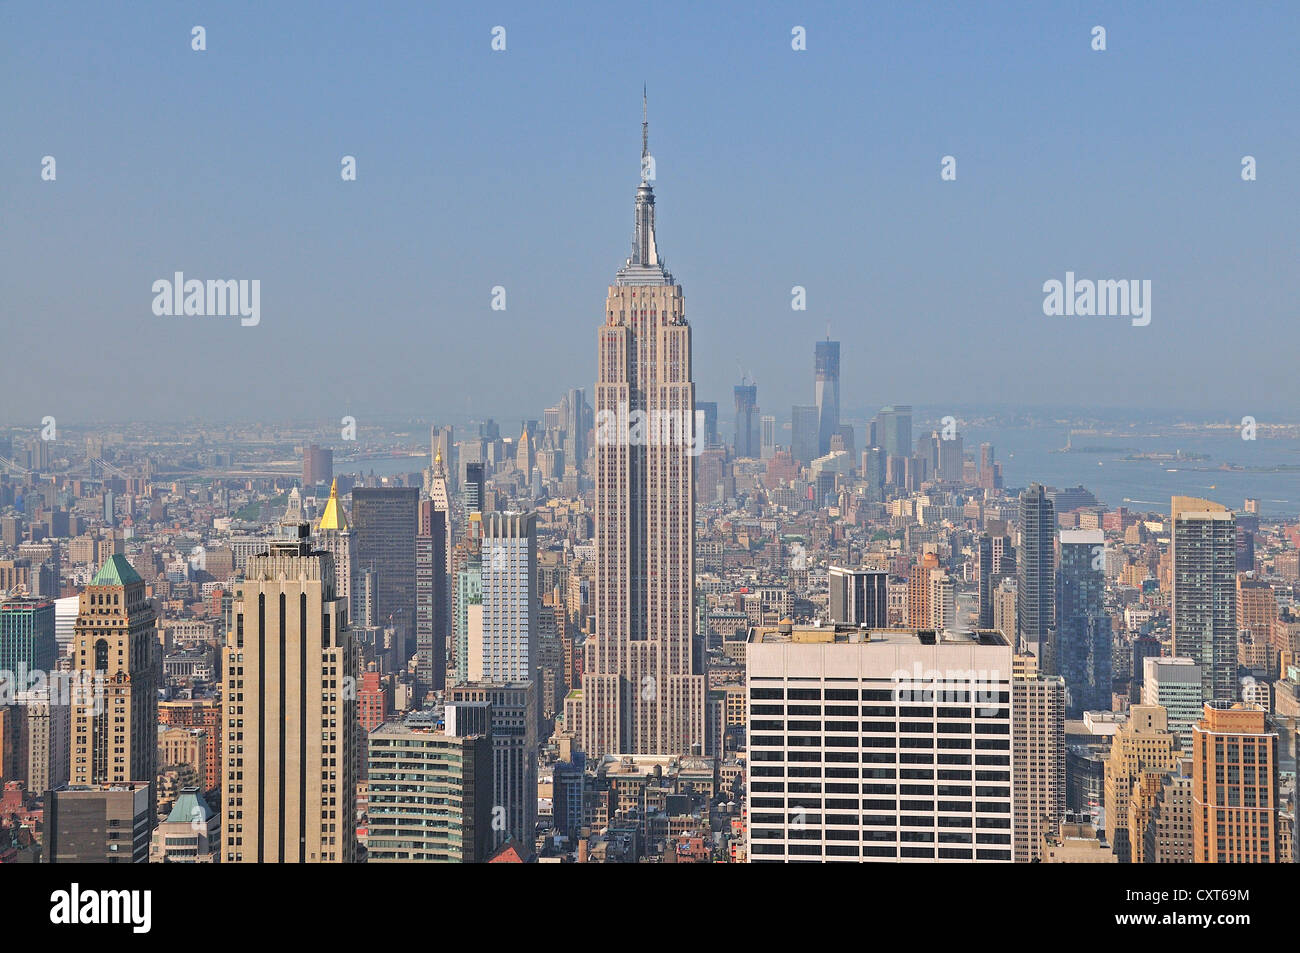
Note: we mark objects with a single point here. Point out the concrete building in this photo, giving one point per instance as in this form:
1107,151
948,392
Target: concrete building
1037,762
503,647
514,714
1234,787
1143,745
430,796
290,738
859,597
1175,684
99,823
1203,608
878,745
643,688
1036,576
385,521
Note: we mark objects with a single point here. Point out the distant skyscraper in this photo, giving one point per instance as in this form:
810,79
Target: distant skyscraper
984,579
1175,685
26,638
643,688
474,487
859,597
384,525
804,424
290,757
1038,761
826,361
747,435
1143,744
1203,609
1083,632
894,430
710,411
1036,576
317,465
432,598
767,446
115,648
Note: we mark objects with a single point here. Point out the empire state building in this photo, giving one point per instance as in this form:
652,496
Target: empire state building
643,689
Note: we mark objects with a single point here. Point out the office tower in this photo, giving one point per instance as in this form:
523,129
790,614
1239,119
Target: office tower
442,448
710,410
804,424
99,823
984,579
27,643
1245,548
643,686
1083,630
1256,606
926,719
1036,575
430,797
919,611
1167,832
767,446
44,731
943,601
385,521
1037,761
746,443
468,610
1203,608
576,424
432,599
474,486
317,465
859,597
826,360
1234,787
513,716
1175,685
1004,608
290,749
1142,648
1143,744
116,654
504,649
894,430
334,536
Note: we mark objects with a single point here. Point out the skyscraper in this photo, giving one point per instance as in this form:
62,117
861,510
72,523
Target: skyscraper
384,525
432,598
1083,633
804,425
115,650
335,537
1037,761
1203,611
894,430
504,649
826,361
1035,576
984,579
643,688
747,432
767,441
859,597
1144,744
1234,787
290,745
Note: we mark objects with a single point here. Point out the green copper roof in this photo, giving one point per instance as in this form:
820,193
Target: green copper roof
116,571
189,807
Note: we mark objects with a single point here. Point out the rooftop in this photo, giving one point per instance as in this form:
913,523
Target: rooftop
787,632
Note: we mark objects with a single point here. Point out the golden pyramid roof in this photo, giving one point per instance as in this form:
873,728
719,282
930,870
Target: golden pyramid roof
334,517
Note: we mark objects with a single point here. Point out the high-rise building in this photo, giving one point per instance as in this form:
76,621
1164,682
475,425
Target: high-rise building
767,445
334,536
1234,787
291,726
920,613
805,424
1036,576
432,599
27,643
1167,831
430,795
99,823
1143,745
504,648
317,465
1037,761
643,686
912,732
385,522
115,649
1083,632
513,719
1203,608
44,733
894,430
859,597
984,579
826,360
1175,685
747,439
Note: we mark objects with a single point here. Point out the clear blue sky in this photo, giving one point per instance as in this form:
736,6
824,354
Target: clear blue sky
775,168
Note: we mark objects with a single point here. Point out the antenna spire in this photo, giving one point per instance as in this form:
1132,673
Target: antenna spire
645,132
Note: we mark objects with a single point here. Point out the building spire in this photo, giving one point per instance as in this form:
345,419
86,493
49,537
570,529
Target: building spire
644,266
645,137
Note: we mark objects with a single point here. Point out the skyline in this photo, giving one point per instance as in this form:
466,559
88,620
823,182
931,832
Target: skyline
767,187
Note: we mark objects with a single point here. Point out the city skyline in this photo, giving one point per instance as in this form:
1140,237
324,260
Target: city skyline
399,250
